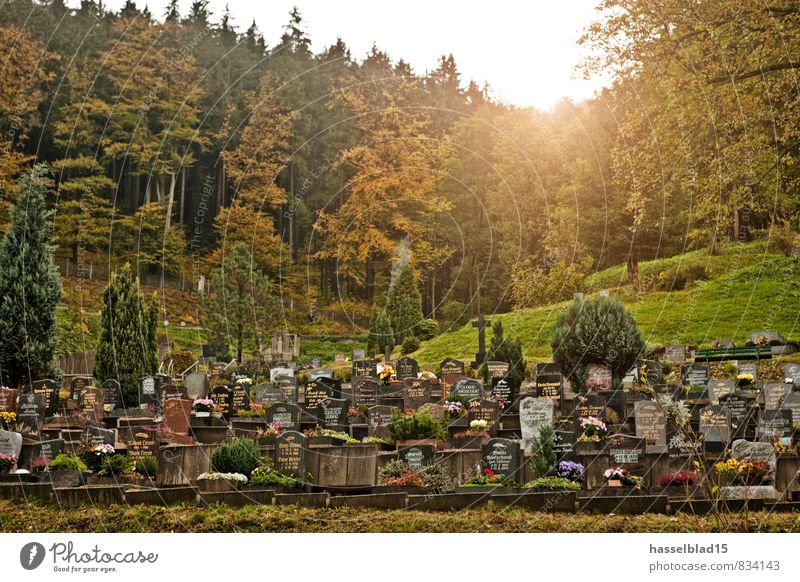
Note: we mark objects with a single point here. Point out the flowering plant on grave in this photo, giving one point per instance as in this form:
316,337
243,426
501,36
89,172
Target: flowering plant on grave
7,462
488,479
679,479
623,475
388,374
744,381
478,425
454,409
570,470
255,410
743,472
593,428
102,449
360,411
222,477
203,405
8,420
273,430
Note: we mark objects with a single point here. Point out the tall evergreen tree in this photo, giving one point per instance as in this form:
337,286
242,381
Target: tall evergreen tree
503,349
127,348
381,335
30,286
404,306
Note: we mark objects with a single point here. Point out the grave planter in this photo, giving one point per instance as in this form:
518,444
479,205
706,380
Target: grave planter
393,489
204,414
586,448
217,485
435,443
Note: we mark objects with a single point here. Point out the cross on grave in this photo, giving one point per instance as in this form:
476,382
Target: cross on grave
481,325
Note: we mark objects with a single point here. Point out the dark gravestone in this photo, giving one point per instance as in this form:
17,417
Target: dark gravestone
48,450
290,454
8,400
503,391
792,402
675,353
148,392
719,388
268,394
549,386
364,368
481,324
649,372
288,415
598,377
741,414
564,445
316,392
695,374
140,443
290,387
91,402
407,368
791,373
775,424
177,415
334,385
626,451
332,413
715,425
31,412
48,390
416,456
469,388
501,456
651,422
590,405
365,391
416,393
240,399
223,400
774,394
448,381
170,391
10,443
544,368
451,366
496,369
78,383
113,394
95,435
750,368
488,410
378,419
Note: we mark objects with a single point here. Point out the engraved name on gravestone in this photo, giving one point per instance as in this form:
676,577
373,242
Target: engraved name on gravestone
290,454
750,368
268,394
378,419
94,435
501,456
223,400
503,391
407,368
148,392
240,397
10,443
78,383
416,393
741,414
91,403
316,392
320,373
451,366
675,353
365,391
416,456
334,385
290,387
8,400
48,390
564,444
275,372
774,394
469,388
140,443
695,374
775,424
332,412
496,369
364,368
113,394
549,386
624,450
792,402
715,424
177,415
484,409
598,377
720,388
288,415
651,422
534,413
48,450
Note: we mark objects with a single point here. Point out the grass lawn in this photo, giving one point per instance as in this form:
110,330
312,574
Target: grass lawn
26,517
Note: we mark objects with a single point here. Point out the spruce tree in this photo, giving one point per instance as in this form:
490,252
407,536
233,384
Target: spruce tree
502,349
543,457
127,348
30,286
404,306
381,335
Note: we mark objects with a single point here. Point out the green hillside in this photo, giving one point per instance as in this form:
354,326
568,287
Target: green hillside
748,288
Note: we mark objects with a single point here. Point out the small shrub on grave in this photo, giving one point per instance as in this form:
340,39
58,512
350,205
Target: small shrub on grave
489,479
416,425
65,462
427,329
552,483
93,456
543,457
147,466
679,479
115,465
265,474
241,456
410,344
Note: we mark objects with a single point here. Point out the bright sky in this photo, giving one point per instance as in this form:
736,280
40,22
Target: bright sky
525,50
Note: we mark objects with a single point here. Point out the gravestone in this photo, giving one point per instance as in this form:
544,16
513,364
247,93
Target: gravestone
748,368
695,374
378,419
675,353
332,413
448,381
719,388
792,402
774,394
170,391
451,366
113,394
416,456
549,386
223,400
290,454
564,445
8,400
649,372
488,410
469,388
31,412
48,450
626,451
320,373
148,392
776,425
275,372
715,425
48,390
416,393
78,383
140,442
598,377
501,456
534,413
334,385
750,451
10,443
288,415
316,392
680,444
358,354
364,368
545,368
240,398
196,384
496,369
316,362
503,391
791,373
178,414
407,368
741,413
290,387
651,422
94,435
91,403
365,391
268,394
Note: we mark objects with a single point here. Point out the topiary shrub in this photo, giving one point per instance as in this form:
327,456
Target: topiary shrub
241,456
599,331
410,344
147,466
64,462
115,465
427,329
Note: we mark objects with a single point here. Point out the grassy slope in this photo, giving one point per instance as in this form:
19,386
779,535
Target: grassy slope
16,516
751,289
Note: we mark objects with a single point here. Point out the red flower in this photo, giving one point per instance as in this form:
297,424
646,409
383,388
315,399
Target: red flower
489,472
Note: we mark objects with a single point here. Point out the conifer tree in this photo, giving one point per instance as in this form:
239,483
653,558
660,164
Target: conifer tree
30,286
381,335
543,457
127,348
502,349
404,306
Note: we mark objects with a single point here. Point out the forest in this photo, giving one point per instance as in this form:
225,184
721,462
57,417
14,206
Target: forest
171,137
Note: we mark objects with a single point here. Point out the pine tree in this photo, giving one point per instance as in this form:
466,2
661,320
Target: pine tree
30,286
502,349
127,348
404,306
381,335
543,457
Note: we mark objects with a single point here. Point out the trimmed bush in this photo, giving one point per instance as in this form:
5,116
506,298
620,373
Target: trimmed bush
410,344
147,466
240,456
64,462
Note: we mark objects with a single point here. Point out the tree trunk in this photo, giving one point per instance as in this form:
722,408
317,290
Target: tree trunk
239,342
173,179
183,196
632,267
433,296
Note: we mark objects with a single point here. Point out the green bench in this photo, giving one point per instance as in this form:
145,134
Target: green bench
724,354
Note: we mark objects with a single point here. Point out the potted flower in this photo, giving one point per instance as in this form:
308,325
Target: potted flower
488,480
267,436
745,382
8,421
220,482
7,463
357,414
203,407
387,375
592,429
743,472
617,477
